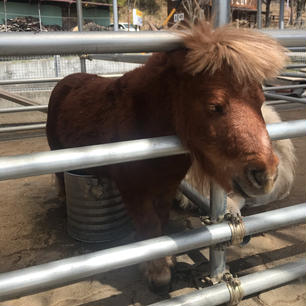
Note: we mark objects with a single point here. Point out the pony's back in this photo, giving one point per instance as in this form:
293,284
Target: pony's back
72,98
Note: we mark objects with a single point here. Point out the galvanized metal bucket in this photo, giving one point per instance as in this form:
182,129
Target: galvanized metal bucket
95,211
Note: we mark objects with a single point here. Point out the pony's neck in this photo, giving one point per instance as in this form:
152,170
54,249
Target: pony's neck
153,90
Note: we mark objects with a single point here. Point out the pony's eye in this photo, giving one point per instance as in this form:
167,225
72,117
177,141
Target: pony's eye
215,108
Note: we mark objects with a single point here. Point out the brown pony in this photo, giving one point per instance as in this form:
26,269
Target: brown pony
208,94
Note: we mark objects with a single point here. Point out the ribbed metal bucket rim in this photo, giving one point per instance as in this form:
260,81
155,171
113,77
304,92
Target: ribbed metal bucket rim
95,220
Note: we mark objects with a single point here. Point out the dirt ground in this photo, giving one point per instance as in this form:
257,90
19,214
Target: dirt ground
33,231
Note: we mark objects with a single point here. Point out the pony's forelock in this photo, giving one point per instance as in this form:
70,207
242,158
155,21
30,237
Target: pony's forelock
250,54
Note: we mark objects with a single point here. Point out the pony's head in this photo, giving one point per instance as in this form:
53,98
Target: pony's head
218,114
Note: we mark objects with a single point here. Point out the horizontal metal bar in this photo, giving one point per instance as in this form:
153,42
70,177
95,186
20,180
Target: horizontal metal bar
274,219
283,97
27,81
284,87
287,103
126,58
22,128
297,49
273,102
45,107
274,277
209,296
27,43
16,98
23,109
293,75
194,196
113,153
250,284
87,157
291,66
48,80
288,38
296,54
57,273
287,129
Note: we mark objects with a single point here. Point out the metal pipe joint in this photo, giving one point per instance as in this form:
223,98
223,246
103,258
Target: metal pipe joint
234,287
238,231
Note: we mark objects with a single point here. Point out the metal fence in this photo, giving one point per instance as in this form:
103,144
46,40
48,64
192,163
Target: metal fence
65,271
16,68
72,269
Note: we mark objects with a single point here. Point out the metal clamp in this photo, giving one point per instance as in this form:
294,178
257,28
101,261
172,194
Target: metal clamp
234,287
238,231
206,220
86,56
236,225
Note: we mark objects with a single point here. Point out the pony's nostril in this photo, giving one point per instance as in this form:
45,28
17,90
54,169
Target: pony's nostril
258,178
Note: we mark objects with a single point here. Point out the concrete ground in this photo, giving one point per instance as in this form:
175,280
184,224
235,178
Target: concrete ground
33,231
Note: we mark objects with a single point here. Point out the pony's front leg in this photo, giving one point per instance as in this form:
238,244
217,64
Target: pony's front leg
158,273
149,224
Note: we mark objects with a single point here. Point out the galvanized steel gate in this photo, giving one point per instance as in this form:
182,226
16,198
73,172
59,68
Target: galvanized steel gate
73,269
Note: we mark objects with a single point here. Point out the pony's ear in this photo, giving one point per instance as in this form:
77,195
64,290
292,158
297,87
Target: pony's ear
177,59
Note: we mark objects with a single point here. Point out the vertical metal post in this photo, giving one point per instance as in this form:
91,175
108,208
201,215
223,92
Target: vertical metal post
221,15
79,15
69,15
39,15
57,65
5,14
217,203
217,210
291,12
80,27
128,15
115,12
258,15
221,12
281,14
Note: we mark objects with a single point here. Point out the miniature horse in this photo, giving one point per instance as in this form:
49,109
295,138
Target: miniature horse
208,94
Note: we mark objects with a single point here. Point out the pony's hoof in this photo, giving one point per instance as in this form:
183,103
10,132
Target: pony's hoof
160,289
158,275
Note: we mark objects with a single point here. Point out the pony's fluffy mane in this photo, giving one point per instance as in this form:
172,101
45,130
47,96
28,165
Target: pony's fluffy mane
250,54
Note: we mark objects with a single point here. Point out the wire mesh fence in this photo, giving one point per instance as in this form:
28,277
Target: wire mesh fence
49,67
58,16
56,66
